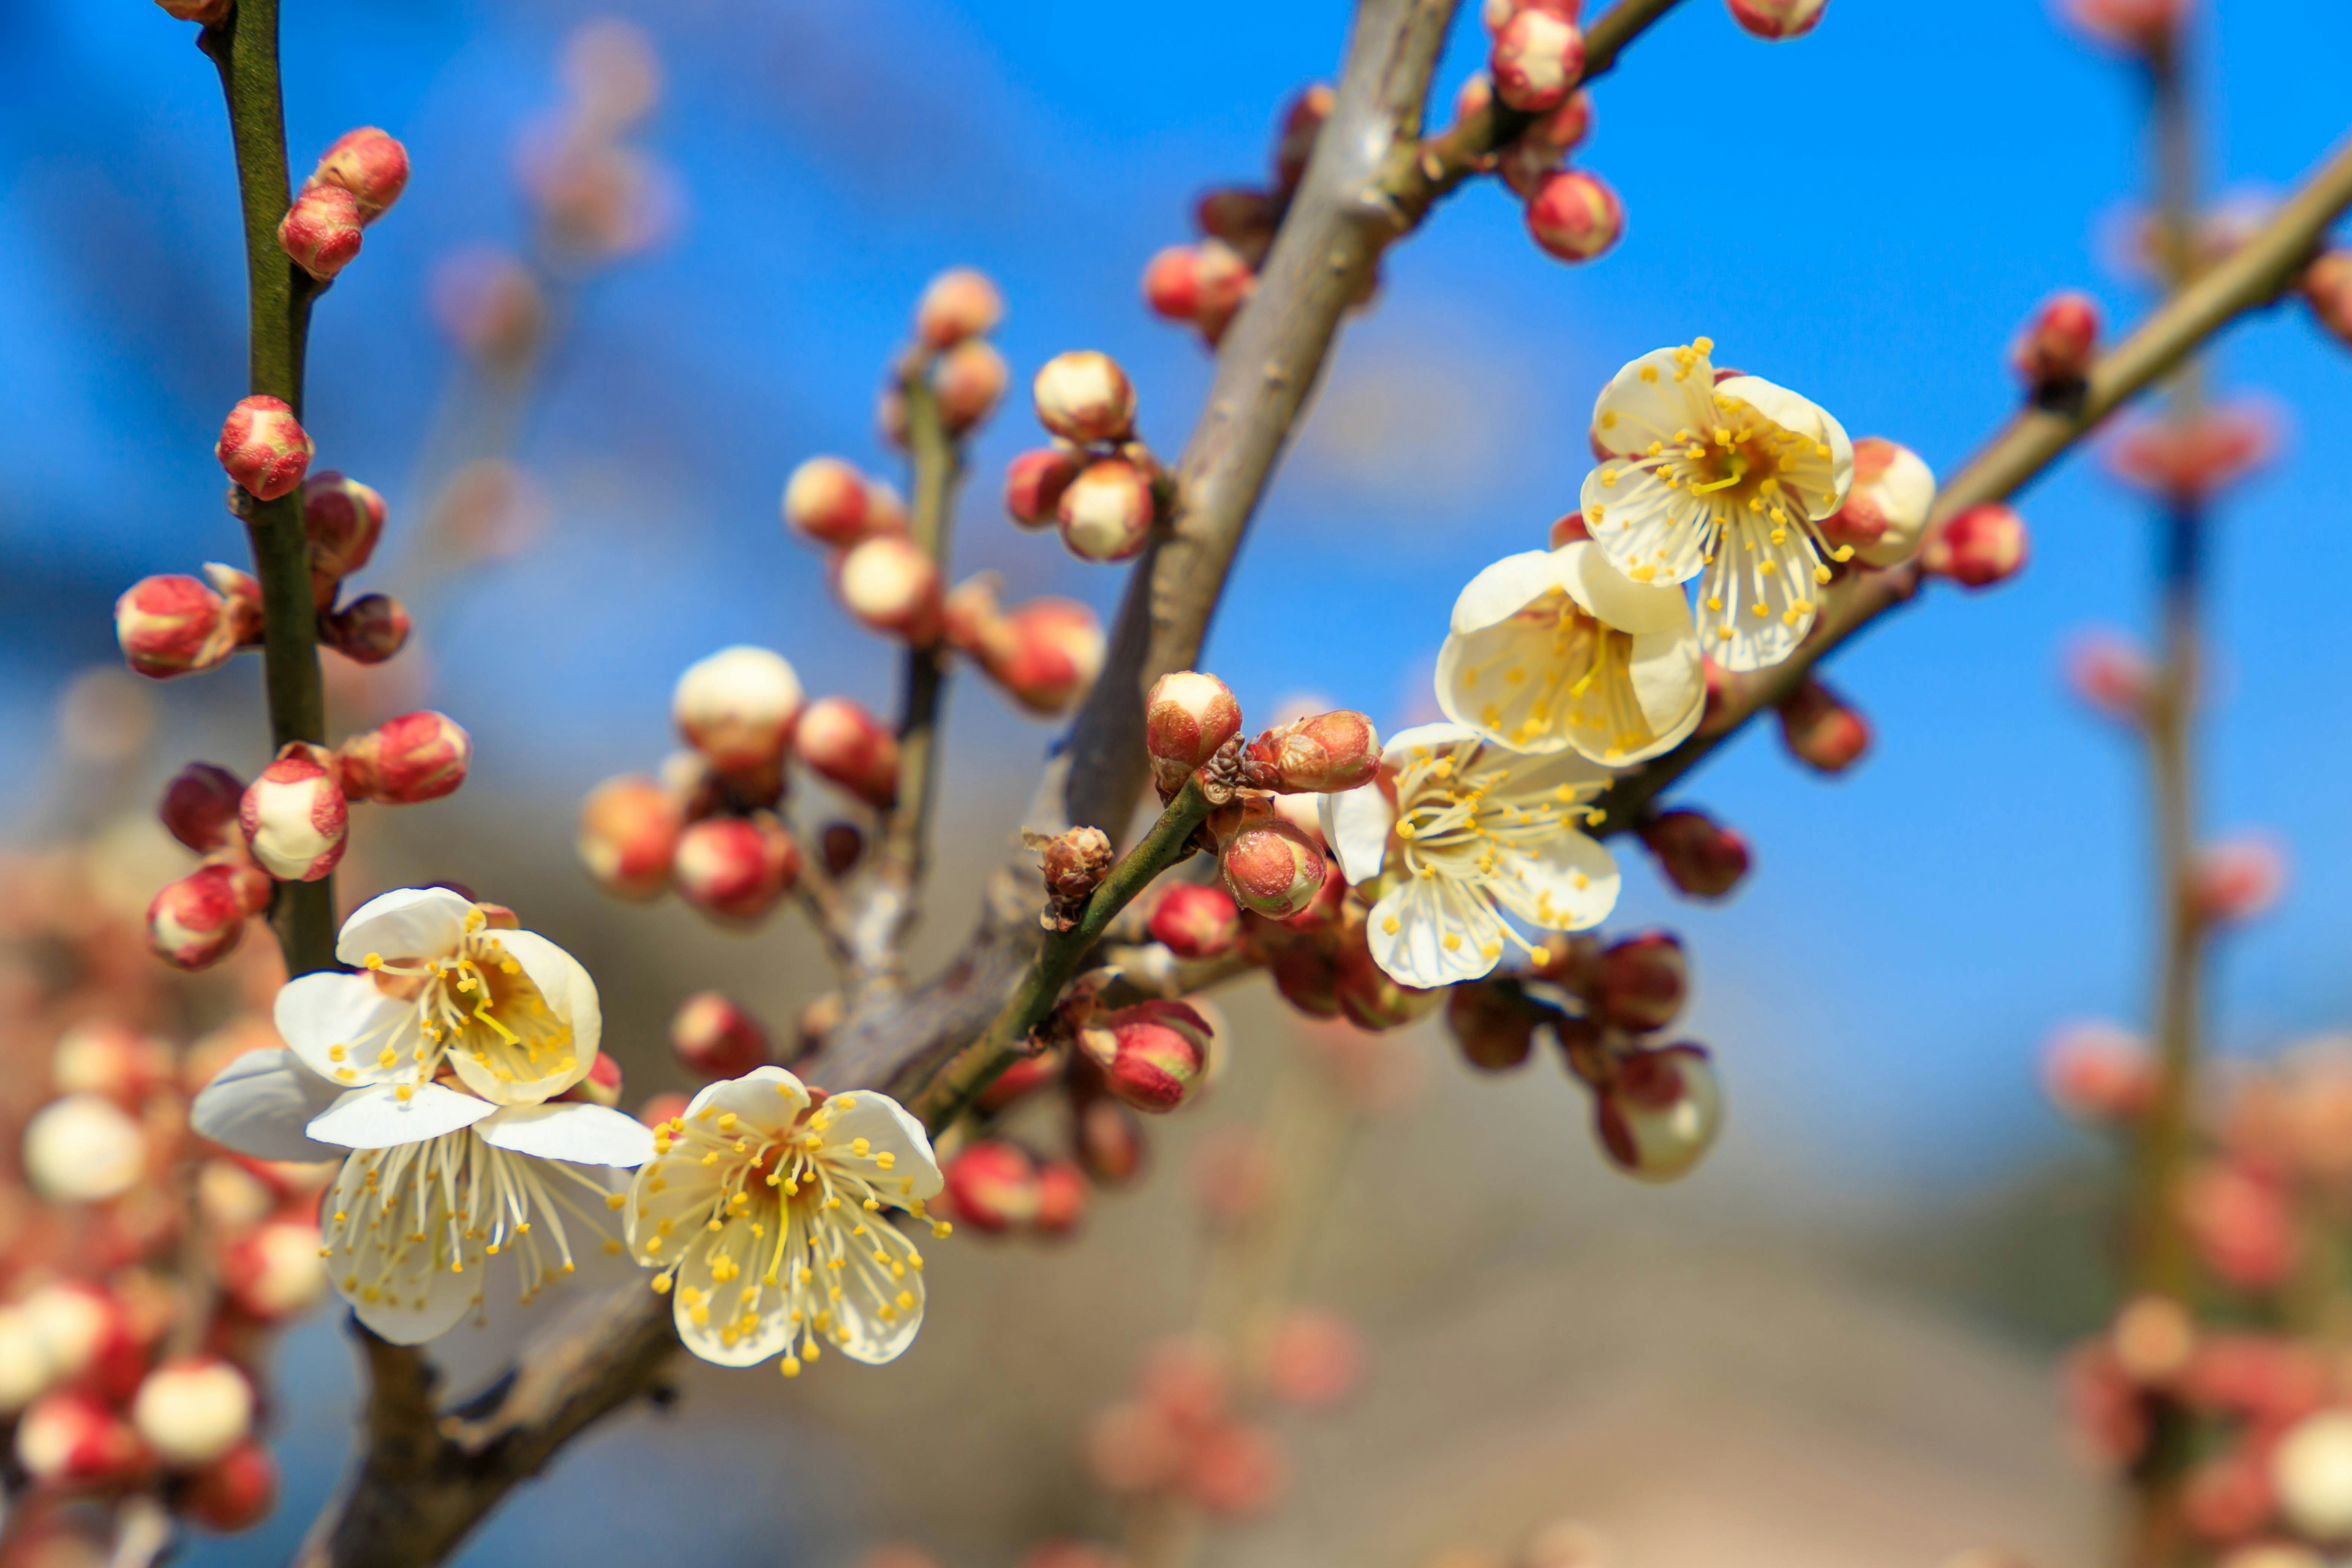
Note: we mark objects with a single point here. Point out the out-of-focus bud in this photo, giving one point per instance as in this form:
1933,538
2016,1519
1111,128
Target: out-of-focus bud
1661,1113
193,1410
1316,1358
407,761
264,448
2312,1469
1051,651
2238,1221
344,519
1239,217
1536,60
1329,753
1062,1195
969,381
2154,1339
195,922
1236,1471
1074,864
1132,1449
274,1271
629,829
295,817
736,868
1272,867
1172,283
1194,921
2058,342
1983,545
1188,717
839,844
602,1086
664,1106
891,586
841,741
87,1336
250,884
716,1039
1367,994
2328,289
199,805
98,1056
2141,25
1108,1141
1033,484
1702,857
1106,513
826,500
1495,1030
1083,395
1152,1054
1574,216
322,231
1821,730
960,303
205,11
2097,1072
234,1492
1302,122
1307,978
1885,511
173,625
1640,983
992,1185
72,1439
738,706
83,1149
368,164
1026,1076
2189,460
1778,19
368,630
1565,127
24,1371
2238,879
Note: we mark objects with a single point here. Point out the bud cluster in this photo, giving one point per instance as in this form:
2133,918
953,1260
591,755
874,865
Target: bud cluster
1534,66
1045,655
599,195
1205,284
1098,483
357,178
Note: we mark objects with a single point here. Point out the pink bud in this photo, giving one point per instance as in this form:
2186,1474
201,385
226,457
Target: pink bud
369,630
2097,1072
992,1185
1062,1195
2059,343
1661,1113
1272,867
1236,1471
1188,717
294,815
738,706
1494,1031
1035,481
1316,1358
368,164
1073,863
1821,730
2241,1226
322,231
1566,127
234,1492
195,922
891,586
844,743
1083,395
2238,879
967,382
1536,62
274,1271
2188,460
2111,673
736,868
193,1410
1151,1055
1778,19
960,303
1321,755
71,1439
1703,858
2327,287
1107,512
885,509
1108,1141
1640,983
825,501
490,303
1575,215
344,519
2141,25
263,447
173,625
1886,508
199,805
1983,545
1049,653
1368,995
99,1056
250,884
716,1039
407,761
1172,283
601,1087
205,11
1195,920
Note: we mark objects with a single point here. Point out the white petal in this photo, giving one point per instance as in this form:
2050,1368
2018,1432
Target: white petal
1649,531
341,1025
571,995
1507,587
1407,745
1822,481
704,1309
583,1134
863,1333
887,1129
408,923
1906,494
390,1281
1772,578
769,1098
1423,913
1670,684
377,1117
1652,398
1565,882
677,1188
1475,689
1614,599
260,1103
1355,826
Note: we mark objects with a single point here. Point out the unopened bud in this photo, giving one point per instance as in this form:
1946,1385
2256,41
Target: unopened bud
1272,867
969,381
629,829
1172,283
234,1492
2111,673
274,1271
264,448
83,1149
1316,1358
195,922
1241,217
295,816
173,625
1195,920
1575,215
2238,879
1821,730
1109,1142
1640,983
368,630
2142,24
322,231
2058,343
70,1439
2187,460
1566,127
716,1039
1106,513
1302,122
1152,1054
826,500
368,164
1234,1471
1982,546
1062,1193
839,844
1083,395
1660,1114
1033,484
1321,755
738,706
1367,994
891,586
250,884
1536,62
98,1056
1703,858
1188,717
407,761
199,805
960,303
2312,1469
342,518
736,868
1495,1030
1074,863
193,1410
1886,510
2327,287
602,1086
1051,650
1307,978
842,742
886,509
205,11
992,1185
2097,1072
1778,19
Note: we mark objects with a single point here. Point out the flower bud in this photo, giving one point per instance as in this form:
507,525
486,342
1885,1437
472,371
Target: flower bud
199,805
1981,546
1195,920
1321,755
1033,484
1493,1030
234,1492
1108,1141
407,761
2097,1073
1885,511
1566,127
368,630
1172,283
24,1371
2327,287
1024,1077
342,518
87,1336
2111,673
1234,1471
1703,858
1575,215
967,383
1365,993
368,164
2059,343
960,303
839,844
263,447
1316,1358
1188,717
1062,1193
1239,217
2239,1222
1778,19
716,1039
992,1185
1821,730
193,1410
276,1271
295,817
891,586
207,11
322,231
1083,395
629,829
664,1106
1106,513
2313,1470
738,706
1074,863
1640,983
2142,24
826,500
1536,62
173,625
71,1439
1661,1113
841,741
601,1087
2187,461
1271,866
83,1149
195,922
100,1056
1152,1054
736,868
1051,651
2237,880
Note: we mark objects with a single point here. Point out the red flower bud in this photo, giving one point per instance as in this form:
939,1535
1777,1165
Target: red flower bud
1172,283
737,708
1084,396
2237,880
1302,122
2327,287
368,164
2187,461
1234,1471
1821,730
2059,343
1316,1358
1272,867
1188,717
1052,650
1151,1055
1983,545
322,231
967,383
602,1086
274,1272
1886,508
1566,127
2098,1073
1778,19
1575,215
1108,1141
716,1039
960,303
629,829
205,11
992,1185
1106,513
407,761
1494,1031
1321,755
344,519
1024,1077
252,887
839,844
1703,858
1640,983
736,868
263,447
199,805
234,1492
1194,921
1661,1113
173,625
1034,482
295,817
195,922
71,1439
368,630
2109,672
1365,993
826,500
841,741
1074,864
891,586
1536,62
1307,978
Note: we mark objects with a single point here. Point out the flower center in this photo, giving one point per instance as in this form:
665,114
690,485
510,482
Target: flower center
1583,679
478,1001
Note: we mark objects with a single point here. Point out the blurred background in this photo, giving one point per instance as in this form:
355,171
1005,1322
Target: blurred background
1830,1346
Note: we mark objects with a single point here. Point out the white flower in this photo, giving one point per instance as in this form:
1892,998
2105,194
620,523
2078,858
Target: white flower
1458,834
511,1014
1556,649
766,1212
83,1149
1727,482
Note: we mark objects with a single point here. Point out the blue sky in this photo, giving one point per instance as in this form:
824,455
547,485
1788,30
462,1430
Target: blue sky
1864,214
